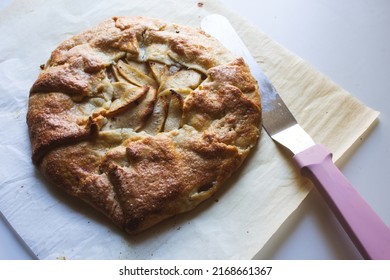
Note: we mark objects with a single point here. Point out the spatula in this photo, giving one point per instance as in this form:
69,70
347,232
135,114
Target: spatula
368,232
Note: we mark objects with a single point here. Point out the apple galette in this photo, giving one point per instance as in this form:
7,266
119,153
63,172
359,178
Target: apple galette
142,119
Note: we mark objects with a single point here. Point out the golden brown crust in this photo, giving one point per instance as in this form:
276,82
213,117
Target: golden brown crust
142,119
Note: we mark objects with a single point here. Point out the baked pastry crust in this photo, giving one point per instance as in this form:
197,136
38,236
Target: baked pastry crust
142,119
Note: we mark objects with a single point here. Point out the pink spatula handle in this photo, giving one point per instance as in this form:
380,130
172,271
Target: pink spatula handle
368,232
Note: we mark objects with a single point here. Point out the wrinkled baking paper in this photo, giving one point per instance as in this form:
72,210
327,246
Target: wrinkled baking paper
236,223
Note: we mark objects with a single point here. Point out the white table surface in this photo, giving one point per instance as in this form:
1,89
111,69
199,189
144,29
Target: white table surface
349,41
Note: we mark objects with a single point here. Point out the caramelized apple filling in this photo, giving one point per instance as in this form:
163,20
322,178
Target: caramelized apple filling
145,96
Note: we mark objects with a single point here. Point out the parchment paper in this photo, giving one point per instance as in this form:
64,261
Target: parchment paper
237,222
